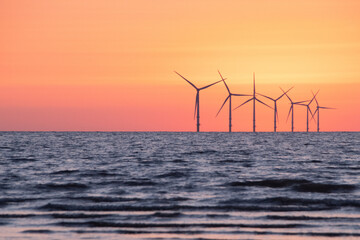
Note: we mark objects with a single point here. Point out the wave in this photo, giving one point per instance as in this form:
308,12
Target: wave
240,152
209,151
22,159
325,203
62,186
312,218
100,199
65,172
217,215
299,185
7,148
214,233
7,200
176,225
265,204
131,208
167,215
37,231
272,183
98,173
173,174
79,215
134,183
324,188
17,215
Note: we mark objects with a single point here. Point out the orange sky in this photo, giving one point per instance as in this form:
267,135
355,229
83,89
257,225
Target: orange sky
108,65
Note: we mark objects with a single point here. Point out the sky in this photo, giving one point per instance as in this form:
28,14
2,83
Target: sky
109,65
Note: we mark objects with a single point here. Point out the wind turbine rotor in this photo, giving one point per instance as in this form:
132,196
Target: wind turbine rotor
211,84
314,96
284,93
317,103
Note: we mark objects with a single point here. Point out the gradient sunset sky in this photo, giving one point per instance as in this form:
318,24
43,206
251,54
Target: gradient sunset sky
108,65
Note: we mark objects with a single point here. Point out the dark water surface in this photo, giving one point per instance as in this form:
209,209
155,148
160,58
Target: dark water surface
179,185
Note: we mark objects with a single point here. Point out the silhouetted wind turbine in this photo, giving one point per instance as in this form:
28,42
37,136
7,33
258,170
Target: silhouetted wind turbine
253,99
197,101
318,112
308,110
276,116
292,110
228,98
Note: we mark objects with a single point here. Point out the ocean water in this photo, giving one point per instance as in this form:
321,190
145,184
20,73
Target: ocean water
97,185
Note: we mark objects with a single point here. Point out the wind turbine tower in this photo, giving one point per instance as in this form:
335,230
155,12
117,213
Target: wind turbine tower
318,112
308,109
292,109
228,98
276,116
197,99
254,98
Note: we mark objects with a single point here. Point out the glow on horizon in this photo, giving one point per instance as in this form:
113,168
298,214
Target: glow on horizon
95,65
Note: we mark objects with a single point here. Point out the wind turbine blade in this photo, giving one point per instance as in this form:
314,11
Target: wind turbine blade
317,103
312,115
266,96
301,102
313,97
289,113
254,82
284,93
326,108
196,103
277,116
227,87
220,74
240,95
222,105
186,80
244,103
310,110
263,103
211,84
224,82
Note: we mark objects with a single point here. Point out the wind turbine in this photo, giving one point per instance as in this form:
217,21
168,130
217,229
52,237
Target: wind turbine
308,110
292,109
228,98
197,101
276,116
254,99
318,112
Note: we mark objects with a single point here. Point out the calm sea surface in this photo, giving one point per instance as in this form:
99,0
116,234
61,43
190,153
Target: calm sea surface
179,185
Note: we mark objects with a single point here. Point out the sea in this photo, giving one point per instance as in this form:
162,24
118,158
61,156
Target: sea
179,185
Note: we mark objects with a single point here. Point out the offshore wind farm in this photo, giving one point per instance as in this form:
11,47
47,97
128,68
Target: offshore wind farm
101,139
254,99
